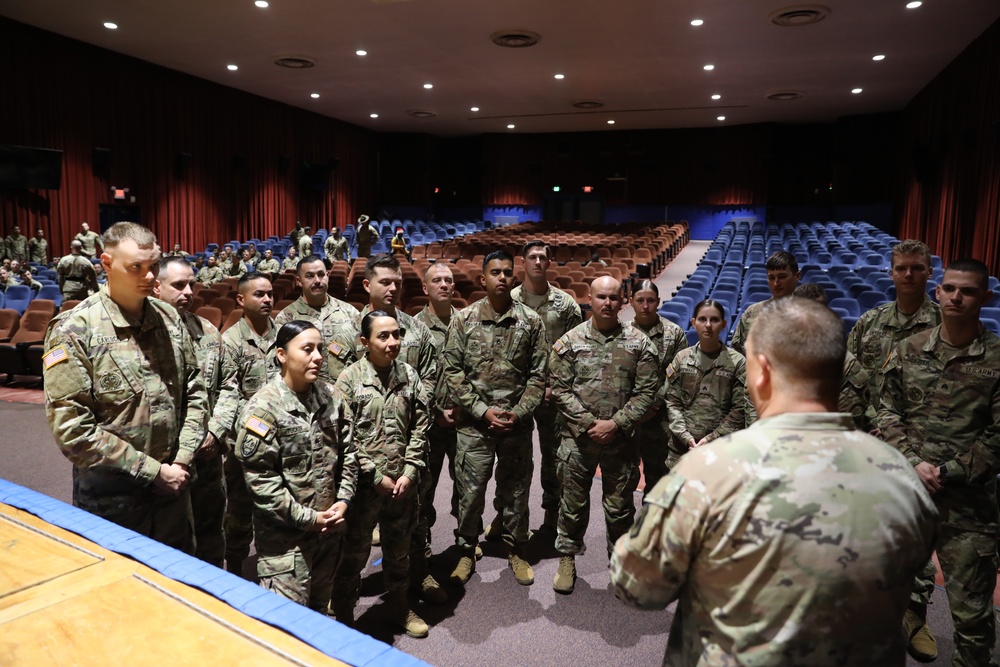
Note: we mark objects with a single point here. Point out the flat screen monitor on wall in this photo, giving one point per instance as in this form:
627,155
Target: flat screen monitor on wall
26,168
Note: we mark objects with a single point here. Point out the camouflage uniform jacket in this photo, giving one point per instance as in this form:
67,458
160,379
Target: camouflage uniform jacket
305,245
226,264
38,250
268,266
209,275
739,340
208,351
878,330
76,273
416,349
290,263
390,423
706,403
777,540
669,339
496,361
89,241
559,313
247,364
336,320
941,405
439,332
17,247
855,399
603,376
237,269
335,248
298,459
123,396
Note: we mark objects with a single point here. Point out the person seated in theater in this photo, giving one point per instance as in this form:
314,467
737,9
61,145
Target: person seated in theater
782,278
269,266
177,252
27,279
291,260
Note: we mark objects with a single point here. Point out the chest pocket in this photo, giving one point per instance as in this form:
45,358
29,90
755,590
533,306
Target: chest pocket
116,377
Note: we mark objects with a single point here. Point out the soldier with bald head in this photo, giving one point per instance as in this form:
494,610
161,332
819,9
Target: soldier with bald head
778,538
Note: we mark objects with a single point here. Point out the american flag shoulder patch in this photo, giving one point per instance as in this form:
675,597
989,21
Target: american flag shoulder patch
335,348
558,347
54,356
258,426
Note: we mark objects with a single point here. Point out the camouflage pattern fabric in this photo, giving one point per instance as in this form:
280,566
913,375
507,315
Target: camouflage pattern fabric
209,275
38,250
776,540
600,376
336,320
89,241
416,349
336,249
304,573
268,266
77,277
305,245
879,329
17,247
290,263
123,396
855,397
739,339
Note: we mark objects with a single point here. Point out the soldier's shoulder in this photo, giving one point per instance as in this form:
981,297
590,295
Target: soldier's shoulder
671,329
561,299
577,332
80,318
875,314
525,314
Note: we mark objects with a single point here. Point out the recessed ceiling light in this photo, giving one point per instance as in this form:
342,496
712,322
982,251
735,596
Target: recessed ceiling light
709,68
315,96
232,68
474,109
361,52
428,86
511,126
611,122
720,118
373,115
856,90
261,3
878,57
914,4
560,76
111,26
697,22
716,97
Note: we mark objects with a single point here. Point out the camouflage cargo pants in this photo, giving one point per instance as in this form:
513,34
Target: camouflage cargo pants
578,461
396,519
239,512
115,497
969,565
652,438
441,442
548,446
208,503
303,574
474,456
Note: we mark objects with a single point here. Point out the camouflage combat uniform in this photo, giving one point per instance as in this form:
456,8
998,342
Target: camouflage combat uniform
600,376
855,396
209,275
335,248
704,401
560,313
290,263
247,364
208,488
941,404
77,277
298,459
793,542
123,396
337,321
389,434
89,241
38,250
494,361
739,340
17,247
654,434
269,266
305,245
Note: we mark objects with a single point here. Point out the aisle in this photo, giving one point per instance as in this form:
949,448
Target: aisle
676,273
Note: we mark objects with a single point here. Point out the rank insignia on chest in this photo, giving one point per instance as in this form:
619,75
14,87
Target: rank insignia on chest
258,426
54,356
335,348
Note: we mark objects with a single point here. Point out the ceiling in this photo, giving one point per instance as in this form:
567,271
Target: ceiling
641,58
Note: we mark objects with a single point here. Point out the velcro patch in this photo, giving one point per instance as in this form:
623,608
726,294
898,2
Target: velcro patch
559,347
55,356
335,348
258,426
670,372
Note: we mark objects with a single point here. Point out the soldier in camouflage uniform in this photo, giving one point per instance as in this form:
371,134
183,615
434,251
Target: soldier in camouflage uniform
335,247
77,278
291,260
38,248
306,242
211,273
706,386
247,365
782,277
89,241
560,313
793,542
17,245
124,396
174,285
605,376
939,406
387,399
384,283
301,466
226,259
269,265
335,318
653,433
495,367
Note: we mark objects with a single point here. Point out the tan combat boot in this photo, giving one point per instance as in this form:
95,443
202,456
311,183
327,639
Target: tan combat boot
402,615
430,591
565,579
522,570
463,571
922,646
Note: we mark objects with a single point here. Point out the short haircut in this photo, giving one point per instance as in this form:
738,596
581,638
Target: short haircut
646,284
804,342
308,259
383,260
811,291
438,266
121,231
248,278
537,243
782,259
76,244
970,265
709,303
165,263
911,247
366,321
498,254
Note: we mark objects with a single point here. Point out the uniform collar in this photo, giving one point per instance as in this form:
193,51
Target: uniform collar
369,376
262,342
434,321
594,333
121,320
487,314
809,421
974,349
